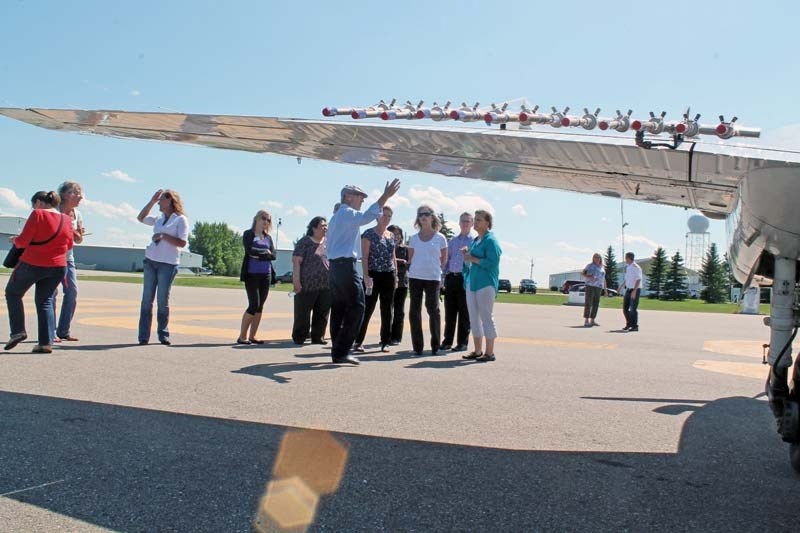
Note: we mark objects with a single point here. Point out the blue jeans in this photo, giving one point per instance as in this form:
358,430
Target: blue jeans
158,278
69,287
630,308
46,280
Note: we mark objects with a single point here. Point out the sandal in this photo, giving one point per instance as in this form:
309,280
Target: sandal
242,341
253,340
472,355
485,358
42,349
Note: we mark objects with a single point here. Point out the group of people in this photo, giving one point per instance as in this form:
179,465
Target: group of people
47,261
329,289
326,280
595,277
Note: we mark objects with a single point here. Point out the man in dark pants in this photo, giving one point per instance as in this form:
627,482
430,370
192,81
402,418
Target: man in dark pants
455,295
345,281
632,282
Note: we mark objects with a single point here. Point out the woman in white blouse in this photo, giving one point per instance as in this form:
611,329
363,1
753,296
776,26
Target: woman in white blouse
427,254
161,259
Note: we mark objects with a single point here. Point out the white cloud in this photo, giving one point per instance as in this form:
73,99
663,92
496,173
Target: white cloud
603,219
135,92
451,205
235,228
10,198
123,210
638,239
273,204
508,245
573,249
519,210
120,175
124,237
298,210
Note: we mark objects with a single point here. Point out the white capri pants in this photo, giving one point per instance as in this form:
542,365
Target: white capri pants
480,305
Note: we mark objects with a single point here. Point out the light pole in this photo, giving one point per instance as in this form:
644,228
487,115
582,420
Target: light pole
278,232
622,221
531,268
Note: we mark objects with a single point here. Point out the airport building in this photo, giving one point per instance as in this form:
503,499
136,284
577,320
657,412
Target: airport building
91,257
119,258
692,276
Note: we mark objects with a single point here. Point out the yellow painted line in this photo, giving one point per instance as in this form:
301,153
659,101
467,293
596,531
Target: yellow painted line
746,348
745,370
176,326
553,343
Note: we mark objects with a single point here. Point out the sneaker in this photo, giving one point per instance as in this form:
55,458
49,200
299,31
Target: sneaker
14,340
358,348
634,328
446,346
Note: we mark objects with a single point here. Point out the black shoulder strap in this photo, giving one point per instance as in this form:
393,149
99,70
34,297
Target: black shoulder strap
60,225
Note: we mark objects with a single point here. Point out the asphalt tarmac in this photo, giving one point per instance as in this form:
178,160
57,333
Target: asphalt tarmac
571,429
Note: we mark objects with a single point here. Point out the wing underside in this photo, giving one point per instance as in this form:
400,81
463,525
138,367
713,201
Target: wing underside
705,178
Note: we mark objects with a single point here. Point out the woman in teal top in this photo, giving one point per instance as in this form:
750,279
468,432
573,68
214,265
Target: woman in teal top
481,277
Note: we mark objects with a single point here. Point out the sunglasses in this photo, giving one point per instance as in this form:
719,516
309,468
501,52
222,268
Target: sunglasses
266,219
425,214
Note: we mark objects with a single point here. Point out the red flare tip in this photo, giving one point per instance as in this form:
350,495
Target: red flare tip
565,121
326,112
603,125
523,116
385,115
680,128
487,118
636,124
420,114
721,129
454,114
354,114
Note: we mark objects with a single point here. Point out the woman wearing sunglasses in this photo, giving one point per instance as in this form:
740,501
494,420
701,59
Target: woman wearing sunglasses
427,255
259,252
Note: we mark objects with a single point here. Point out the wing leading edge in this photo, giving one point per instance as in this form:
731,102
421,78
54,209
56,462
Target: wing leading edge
705,178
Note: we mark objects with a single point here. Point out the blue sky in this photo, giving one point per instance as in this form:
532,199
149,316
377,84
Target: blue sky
292,59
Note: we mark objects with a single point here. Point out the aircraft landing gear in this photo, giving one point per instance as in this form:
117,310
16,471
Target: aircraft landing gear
783,322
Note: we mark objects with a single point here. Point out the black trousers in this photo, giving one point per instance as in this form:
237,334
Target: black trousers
347,306
455,310
257,288
399,313
383,289
630,308
311,310
431,290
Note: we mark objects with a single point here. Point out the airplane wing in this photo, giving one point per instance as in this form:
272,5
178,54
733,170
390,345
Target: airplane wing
696,175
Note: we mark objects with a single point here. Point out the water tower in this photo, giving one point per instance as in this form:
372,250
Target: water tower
697,241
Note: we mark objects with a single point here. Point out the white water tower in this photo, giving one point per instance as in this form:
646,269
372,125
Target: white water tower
697,241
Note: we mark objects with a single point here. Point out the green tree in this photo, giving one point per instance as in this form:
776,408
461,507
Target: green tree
220,246
657,274
675,285
445,229
714,277
726,265
611,269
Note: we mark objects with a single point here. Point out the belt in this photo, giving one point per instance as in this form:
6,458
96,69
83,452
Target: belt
343,260
457,274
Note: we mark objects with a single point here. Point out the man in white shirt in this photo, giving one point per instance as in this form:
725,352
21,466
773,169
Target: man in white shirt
632,283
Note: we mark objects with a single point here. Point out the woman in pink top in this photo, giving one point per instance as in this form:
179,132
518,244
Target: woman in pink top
46,237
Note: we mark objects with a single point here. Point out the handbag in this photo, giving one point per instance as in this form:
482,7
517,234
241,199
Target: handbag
13,255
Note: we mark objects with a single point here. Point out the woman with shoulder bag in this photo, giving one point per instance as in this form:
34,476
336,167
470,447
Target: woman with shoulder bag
46,237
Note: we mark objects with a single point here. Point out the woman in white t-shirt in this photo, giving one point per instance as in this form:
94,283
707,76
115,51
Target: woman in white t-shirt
427,255
161,259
